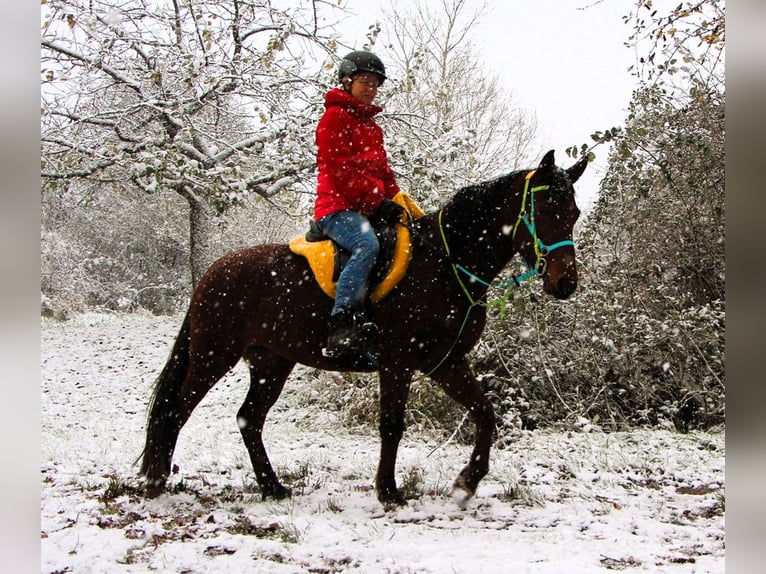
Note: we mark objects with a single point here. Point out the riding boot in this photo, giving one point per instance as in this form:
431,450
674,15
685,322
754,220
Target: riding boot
340,340
352,333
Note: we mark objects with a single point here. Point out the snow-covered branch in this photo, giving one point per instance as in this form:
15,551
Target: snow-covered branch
116,75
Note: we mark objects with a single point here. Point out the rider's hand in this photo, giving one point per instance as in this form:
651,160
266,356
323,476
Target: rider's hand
390,212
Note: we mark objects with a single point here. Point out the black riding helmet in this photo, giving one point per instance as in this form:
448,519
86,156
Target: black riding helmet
361,61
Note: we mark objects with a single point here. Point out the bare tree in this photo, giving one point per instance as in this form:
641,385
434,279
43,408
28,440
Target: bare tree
453,124
161,94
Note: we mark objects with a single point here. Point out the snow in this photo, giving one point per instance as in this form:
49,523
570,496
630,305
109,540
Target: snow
574,502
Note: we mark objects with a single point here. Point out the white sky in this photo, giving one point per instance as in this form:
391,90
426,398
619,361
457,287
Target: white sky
563,60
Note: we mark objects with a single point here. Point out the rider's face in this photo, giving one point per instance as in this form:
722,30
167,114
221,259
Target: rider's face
364,87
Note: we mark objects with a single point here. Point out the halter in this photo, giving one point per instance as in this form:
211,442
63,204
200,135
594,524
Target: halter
541,249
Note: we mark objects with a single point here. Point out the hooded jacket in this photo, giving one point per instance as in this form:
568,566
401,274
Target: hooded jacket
354,173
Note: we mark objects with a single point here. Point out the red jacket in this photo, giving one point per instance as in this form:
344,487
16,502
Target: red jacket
353,167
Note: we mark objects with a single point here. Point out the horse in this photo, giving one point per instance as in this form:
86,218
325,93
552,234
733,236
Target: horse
261,303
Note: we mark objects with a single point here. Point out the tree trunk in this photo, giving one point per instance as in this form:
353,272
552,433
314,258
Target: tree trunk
200,245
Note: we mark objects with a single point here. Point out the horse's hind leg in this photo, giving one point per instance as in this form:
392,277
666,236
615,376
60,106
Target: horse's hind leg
458,381
186,379
268,373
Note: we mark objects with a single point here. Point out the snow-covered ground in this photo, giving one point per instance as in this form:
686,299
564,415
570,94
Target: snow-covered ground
645,501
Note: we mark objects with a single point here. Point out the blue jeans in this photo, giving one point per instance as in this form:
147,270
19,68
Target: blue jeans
352,231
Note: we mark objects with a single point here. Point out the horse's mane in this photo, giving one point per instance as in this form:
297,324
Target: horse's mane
474,192
468,208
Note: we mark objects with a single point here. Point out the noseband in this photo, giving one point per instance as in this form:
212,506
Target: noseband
541,249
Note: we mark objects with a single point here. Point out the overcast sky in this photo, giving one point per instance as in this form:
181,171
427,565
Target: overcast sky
563,60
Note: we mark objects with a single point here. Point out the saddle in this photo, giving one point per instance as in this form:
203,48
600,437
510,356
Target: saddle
327,259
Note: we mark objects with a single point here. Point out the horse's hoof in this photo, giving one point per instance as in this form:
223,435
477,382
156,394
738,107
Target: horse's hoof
462,497
277,492
391,499
461,492
153,488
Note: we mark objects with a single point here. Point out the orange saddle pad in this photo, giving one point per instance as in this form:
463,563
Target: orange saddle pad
321,255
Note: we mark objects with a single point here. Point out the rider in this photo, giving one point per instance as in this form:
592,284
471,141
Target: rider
354,181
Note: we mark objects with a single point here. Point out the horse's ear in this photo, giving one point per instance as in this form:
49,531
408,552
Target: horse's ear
548,163
576,170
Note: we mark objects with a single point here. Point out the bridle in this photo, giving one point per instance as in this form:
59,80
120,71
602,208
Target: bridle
541,249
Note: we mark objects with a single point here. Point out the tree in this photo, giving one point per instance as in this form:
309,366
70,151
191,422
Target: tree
162,95
648,319
662,204
662,201
451,123
680,51
688,41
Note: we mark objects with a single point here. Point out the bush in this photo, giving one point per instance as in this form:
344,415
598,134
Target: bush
605,358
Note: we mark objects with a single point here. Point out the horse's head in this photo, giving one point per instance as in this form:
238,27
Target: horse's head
549,213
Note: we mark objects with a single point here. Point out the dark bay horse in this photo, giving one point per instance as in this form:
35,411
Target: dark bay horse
262,303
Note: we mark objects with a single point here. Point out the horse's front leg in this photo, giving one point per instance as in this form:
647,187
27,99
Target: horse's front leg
459,383
268,374
394,390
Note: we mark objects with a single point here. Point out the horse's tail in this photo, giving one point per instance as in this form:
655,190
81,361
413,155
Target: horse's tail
162,406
